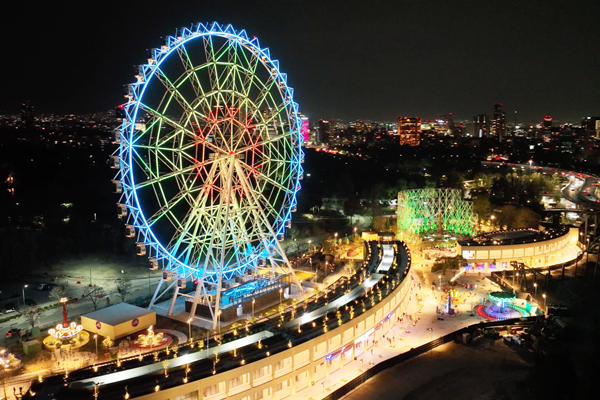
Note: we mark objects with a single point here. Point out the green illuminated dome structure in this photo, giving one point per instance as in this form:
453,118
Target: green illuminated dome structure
434,210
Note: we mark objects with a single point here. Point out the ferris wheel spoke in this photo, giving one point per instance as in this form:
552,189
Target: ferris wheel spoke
213,59
166,208
180,129
193,219
173,174
258,174
173,90
269,141
271,211
256,199
190,71
249,73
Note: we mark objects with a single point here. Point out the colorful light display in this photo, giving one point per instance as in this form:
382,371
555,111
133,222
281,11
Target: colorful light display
425,210
304,129
65,330
209,158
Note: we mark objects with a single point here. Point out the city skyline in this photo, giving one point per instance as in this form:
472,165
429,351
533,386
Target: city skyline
353,62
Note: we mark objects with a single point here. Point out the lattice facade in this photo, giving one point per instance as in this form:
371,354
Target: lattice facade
425,210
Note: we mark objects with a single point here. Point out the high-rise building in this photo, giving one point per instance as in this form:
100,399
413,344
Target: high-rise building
409,130
499,121
449,118
304,129
481,125
27,114
325,132
591,126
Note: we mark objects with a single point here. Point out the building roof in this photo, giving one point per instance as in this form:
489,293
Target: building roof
118,314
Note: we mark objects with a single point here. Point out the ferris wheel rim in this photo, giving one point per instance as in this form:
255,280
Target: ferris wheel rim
291,113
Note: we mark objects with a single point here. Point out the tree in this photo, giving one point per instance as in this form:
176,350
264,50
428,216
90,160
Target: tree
95,293
451,263
32,314
518,217
482,180
107,343
352,206
482,207
57,293
526,218
507,216
123,287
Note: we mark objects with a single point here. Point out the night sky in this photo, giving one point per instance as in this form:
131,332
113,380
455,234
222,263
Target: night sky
345,59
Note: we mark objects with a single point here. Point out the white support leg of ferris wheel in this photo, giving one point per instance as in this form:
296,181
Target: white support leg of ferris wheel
156,293
199,287
173,299
248,189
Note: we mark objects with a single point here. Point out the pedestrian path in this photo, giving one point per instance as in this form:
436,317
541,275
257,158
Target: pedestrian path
409,333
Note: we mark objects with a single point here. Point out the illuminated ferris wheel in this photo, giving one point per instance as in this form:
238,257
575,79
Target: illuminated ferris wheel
209,159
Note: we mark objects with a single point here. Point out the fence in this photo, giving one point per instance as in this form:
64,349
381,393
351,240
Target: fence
365,376
496,276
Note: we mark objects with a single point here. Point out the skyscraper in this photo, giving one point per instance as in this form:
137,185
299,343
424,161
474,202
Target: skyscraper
409,130
325,132
481,124
499,121
449,118
591,126
27,114
304,129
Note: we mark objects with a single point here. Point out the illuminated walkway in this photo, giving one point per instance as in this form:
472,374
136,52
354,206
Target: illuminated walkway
175,362
406,336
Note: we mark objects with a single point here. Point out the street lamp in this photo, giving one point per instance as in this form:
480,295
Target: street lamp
253,301
24,294
96,339
189,321
430,338
280,295
440,277
219,315
309,242
587,256
530,162
535,286
545,307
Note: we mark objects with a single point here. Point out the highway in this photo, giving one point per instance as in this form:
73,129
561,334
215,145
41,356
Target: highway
581,188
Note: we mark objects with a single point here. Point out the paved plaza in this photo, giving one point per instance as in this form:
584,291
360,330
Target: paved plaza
404,335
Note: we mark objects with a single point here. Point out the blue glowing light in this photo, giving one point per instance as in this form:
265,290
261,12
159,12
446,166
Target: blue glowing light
128,152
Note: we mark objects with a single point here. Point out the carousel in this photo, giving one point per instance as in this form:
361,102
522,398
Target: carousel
70,335
500,307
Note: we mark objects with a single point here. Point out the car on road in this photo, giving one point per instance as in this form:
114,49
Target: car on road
45,286
13,332
10,307
30,302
